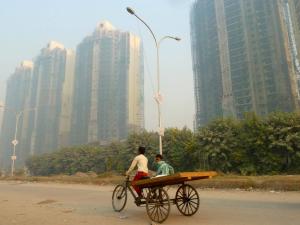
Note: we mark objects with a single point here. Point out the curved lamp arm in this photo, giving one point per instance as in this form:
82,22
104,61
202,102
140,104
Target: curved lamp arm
132,12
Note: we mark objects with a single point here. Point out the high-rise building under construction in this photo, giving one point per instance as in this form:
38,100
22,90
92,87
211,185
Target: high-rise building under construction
18,86
38,105
108,91
296,6
49,123
293,7
244,57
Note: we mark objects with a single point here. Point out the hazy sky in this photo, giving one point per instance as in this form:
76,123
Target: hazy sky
27,26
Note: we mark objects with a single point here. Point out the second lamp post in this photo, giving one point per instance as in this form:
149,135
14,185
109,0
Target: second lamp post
158,97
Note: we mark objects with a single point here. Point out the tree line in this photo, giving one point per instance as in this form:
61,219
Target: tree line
251,146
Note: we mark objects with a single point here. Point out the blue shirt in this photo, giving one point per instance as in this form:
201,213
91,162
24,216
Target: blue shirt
164,168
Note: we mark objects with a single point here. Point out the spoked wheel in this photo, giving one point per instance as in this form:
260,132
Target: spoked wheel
119,198
187,200
158,205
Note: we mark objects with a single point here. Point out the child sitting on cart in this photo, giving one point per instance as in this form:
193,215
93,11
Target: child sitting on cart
163,168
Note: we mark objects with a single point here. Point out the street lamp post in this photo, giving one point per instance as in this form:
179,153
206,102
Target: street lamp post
158,96
15,141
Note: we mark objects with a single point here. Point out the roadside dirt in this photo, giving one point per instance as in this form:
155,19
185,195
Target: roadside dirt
23,203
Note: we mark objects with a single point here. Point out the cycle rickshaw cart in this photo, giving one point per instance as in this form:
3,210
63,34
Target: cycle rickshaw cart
156,198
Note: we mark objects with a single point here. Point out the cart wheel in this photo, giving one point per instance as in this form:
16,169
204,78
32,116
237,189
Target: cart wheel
187,200
119,198
158,205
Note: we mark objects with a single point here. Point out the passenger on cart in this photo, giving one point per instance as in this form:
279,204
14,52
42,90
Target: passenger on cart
163,168
141,162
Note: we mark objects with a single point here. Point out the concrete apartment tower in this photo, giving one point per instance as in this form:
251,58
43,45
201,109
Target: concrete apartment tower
293,13
296,6
17,90
243,57
109,86
1,116
51,96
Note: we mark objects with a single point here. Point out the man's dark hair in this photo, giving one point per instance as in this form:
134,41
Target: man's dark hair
159,156
142,150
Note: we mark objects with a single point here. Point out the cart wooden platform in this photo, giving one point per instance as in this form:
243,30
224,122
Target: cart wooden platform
176,178
156,198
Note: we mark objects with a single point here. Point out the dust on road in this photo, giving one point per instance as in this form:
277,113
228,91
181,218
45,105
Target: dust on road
65,204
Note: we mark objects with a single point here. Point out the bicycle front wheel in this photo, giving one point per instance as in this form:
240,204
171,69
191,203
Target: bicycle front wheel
119,198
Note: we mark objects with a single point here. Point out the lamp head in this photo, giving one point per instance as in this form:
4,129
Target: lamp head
177,38
130,10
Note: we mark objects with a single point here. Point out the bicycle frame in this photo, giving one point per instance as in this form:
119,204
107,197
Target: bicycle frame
129,187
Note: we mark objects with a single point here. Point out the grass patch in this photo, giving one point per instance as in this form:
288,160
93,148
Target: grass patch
275,182
78,178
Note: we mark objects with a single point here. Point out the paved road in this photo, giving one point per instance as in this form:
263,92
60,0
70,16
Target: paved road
59,204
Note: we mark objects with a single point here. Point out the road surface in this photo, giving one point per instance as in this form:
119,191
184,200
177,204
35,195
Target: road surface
65,204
